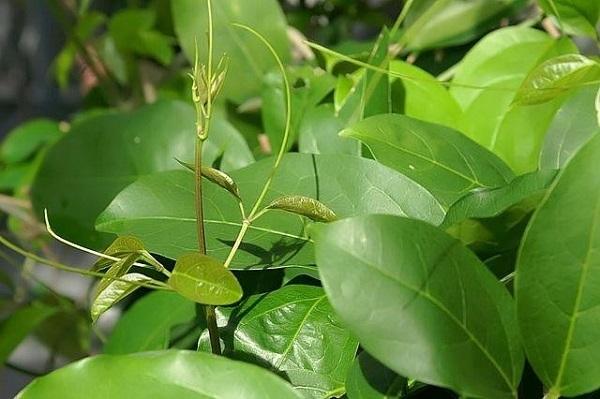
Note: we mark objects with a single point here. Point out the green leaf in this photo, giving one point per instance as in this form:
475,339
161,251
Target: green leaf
108,291
295,332
22,142
205,280
556,77
120,247
249,59
305,206
578,17
443,23
147,324
318,133
369,379
160,211
14,176
420,95
100,156
436,313
20,324
557,278
573,125
159,375
215,176
500,62
441,159
488,203
115,291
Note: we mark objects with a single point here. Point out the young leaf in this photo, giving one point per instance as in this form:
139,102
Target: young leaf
159,209
23,141
312,348
215,176
573,125
159,375
115,291
441,159
556,77
138,330
557,279
205,280
436,313
122,246
305,206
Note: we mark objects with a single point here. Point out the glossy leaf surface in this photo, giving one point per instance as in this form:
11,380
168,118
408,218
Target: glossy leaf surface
555,77
557,278
441,159
160,209
435,314
135,376
295,332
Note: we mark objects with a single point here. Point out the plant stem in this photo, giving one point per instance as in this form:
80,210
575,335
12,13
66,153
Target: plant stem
198,193
401,17
213,329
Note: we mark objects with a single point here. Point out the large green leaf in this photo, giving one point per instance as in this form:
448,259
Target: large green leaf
20,324
147,324
318,133
442,23
557,76
434,313
441,159
159,375
295,333
579,17
159,209
205,280
499,63
573,125
249,59
557,278
102,154
420,95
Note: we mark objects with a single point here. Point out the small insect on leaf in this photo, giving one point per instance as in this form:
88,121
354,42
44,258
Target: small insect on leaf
305,206
217,177
205,280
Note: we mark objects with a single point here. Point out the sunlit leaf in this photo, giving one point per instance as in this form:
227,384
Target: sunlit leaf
305,206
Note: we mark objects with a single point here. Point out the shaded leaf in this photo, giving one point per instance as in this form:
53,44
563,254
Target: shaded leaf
437,314
369,379
579,17
294,332
305,206
20,324
22,142
204,280
555,77
147,324
557,278
135,376
441,159
318,133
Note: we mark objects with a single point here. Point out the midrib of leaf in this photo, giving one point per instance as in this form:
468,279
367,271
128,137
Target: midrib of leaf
213,221
441,306
202,281
577,304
